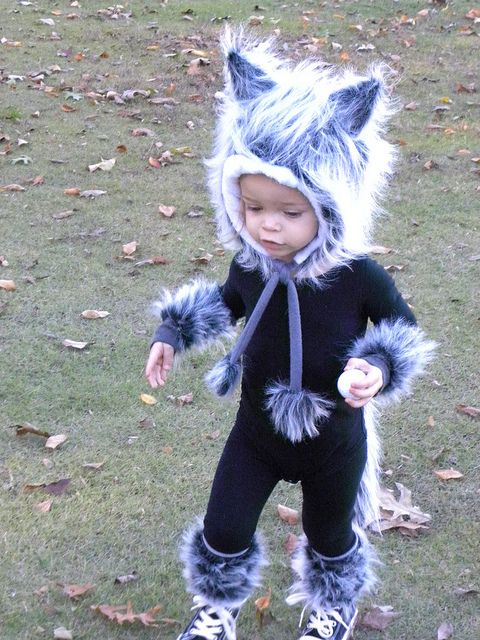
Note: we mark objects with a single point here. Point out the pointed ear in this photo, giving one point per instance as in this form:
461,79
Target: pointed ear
353,106
248,81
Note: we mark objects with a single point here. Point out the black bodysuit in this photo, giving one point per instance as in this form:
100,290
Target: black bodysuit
255,457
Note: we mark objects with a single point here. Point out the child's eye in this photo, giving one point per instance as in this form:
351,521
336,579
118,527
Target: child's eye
293,214
254,209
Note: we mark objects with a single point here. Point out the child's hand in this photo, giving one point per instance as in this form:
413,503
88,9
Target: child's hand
159,363
366,389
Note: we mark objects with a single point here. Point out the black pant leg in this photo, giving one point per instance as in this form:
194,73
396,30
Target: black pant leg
328,505
242,484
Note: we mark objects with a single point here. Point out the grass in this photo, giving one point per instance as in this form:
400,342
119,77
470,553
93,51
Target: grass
129,515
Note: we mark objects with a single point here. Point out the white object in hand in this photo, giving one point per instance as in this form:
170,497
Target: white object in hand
346,379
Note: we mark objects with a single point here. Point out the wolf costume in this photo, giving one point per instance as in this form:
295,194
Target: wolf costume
321,133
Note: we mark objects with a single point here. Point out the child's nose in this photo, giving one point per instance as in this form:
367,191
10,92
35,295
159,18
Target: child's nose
271,222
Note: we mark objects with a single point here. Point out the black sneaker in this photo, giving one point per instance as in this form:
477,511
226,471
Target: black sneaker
211,623
335,624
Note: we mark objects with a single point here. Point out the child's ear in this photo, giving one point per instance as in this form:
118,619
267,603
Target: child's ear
248,80
353,106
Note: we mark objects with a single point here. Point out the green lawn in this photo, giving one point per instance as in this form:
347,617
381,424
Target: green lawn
77,81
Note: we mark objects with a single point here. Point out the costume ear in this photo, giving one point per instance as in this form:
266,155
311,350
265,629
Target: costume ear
248,80
353,106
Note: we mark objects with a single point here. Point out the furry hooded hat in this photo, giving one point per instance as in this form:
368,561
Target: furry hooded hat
308,128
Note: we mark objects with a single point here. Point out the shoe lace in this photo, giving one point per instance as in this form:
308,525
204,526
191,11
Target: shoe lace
323,622
212,621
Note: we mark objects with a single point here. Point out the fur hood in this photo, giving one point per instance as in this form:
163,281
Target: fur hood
308,127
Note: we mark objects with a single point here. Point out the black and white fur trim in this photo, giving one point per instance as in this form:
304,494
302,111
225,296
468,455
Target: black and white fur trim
198,313
326,583
222,581
405,350
224,376
324,125
296,415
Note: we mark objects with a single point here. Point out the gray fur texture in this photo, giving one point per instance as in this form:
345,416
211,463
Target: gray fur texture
405,350
326,583
223,378
198,312
324,125
296,415
221,581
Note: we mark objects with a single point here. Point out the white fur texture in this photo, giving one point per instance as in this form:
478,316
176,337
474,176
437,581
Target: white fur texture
220,581
198,313
224,376
405,350
324,126
326,583
296,415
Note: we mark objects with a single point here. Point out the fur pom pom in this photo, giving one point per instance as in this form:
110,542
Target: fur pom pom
223,377
198,312
325,583
403,347
221,581
296,414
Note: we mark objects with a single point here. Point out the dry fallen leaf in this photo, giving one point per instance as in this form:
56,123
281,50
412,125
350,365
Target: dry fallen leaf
60,633
26,427
399,513
104,165
148,399
74,344
93,314
124,613
55,441
448,474
129,248
379,250
44,507
473,412
288,515
261,606
92,193
291,543
8,285
378,617
141,131
72,191
12,187
166,210
58,487
94,466
130,577
74,591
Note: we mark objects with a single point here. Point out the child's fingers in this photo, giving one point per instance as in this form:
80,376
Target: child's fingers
167,362
152,367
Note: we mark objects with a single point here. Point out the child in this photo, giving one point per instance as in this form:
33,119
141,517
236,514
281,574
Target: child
297,168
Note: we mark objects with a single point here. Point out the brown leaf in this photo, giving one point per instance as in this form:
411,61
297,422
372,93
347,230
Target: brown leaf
72,191
291,543
214,435
445,631
204,259
379,250
74,591
67,108
93,314
146,423
44,507
94,466
430,164
124,613
154,162
185,399
130,248
58,487
26,427
378,617
63,214
142,131
166,210
104,165
392,268
92,193
8,285
448,474
431,421
197,65
473,14
12,187
288,515
55,441
473,412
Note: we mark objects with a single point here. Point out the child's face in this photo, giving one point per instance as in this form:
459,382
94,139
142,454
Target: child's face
279,218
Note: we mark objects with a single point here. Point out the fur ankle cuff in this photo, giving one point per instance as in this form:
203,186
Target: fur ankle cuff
325,583
221,581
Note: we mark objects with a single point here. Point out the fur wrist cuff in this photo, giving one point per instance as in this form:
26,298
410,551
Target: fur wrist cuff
198,313
404,349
